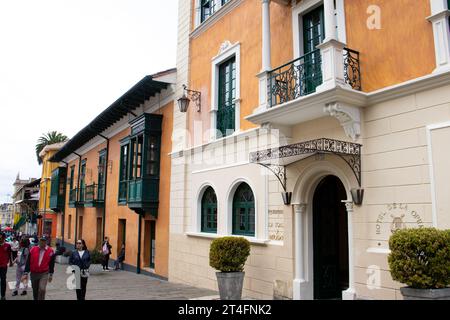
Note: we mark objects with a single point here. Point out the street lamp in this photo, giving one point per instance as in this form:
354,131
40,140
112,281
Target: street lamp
184,101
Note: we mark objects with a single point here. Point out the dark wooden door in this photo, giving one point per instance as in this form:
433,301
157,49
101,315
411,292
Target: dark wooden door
330,236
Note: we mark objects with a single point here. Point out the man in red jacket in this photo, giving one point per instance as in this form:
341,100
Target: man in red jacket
41,264
5,258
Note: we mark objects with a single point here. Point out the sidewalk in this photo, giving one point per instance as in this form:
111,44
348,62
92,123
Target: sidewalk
114,285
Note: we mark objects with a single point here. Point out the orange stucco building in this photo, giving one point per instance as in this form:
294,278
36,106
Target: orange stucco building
118,177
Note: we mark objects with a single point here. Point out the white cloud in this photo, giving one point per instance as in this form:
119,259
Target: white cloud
62,62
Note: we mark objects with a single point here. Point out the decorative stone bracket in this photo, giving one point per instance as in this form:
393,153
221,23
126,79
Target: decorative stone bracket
348,116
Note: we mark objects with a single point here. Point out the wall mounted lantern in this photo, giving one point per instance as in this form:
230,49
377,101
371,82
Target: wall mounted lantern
287,198
357,196
183,102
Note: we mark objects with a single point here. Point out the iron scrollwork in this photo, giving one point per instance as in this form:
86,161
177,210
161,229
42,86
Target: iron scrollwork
352,71
295,79
279,172
348,151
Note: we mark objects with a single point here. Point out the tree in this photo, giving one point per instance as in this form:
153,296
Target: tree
48,139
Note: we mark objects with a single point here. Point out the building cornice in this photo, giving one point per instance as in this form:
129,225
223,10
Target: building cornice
427,82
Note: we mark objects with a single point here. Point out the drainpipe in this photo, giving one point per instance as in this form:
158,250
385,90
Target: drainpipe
63,219
138,264
45,205
78,198
105,186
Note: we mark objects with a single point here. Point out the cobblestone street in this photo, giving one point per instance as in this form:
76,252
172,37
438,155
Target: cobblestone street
114,285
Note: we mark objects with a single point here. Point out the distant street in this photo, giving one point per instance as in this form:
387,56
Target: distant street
114,285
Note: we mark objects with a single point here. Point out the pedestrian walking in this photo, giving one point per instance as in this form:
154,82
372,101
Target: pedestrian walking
120,259
5,258
15,246
106,252
41,265
82,259
21,261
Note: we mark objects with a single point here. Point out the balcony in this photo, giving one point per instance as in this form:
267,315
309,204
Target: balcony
58,190
143,195
140,188
302,76
94,196
324,82
73,199
56,203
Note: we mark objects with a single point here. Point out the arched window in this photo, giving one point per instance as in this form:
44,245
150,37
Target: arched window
244,211
209,211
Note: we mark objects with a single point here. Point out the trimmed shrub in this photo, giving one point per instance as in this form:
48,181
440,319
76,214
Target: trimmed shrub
229,254
96,256
420,258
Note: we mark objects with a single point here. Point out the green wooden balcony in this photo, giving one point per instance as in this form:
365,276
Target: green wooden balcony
58,190
94,196
143,195
73,198
74,202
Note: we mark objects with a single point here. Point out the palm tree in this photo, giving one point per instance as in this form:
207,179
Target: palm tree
48,139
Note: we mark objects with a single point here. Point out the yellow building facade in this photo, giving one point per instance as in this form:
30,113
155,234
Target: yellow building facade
49,220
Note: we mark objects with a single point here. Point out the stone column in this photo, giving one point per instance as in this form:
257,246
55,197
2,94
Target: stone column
350,293
332,52
266,56
330,22
299,281
266,41
440,20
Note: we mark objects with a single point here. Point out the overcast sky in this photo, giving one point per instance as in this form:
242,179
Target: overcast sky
62,62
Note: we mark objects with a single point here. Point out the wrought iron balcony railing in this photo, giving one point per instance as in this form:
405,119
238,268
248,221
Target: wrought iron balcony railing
303,75
94,194
352,69
73,195
295,79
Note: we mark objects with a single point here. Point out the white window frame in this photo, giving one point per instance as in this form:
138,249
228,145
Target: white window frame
198,9
228,52
431,128
441,33
297,22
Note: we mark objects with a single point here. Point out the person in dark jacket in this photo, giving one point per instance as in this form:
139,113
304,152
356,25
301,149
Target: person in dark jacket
41,265
120,259
82,259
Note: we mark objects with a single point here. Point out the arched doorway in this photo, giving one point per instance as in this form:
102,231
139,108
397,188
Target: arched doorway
330,238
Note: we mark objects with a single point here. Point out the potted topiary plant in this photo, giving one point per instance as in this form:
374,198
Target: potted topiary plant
96,261
228,255
420,258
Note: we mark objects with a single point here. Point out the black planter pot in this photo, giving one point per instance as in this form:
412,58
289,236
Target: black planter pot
230,285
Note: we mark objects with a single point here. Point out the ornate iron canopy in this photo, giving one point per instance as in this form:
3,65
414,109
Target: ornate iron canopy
277,159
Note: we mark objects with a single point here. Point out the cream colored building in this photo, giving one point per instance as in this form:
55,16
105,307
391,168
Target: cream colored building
373,123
